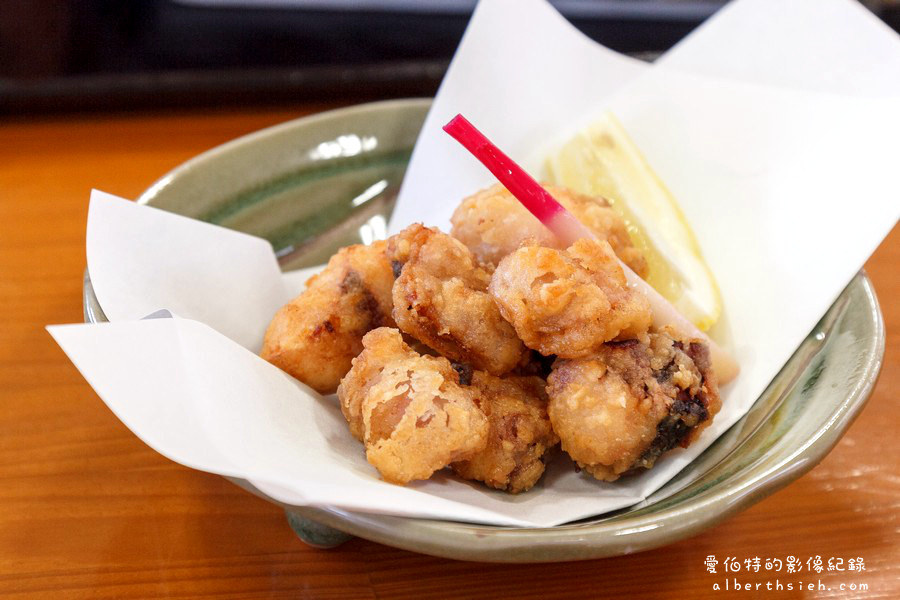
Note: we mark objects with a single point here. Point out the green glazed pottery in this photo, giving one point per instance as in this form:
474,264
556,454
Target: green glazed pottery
315,184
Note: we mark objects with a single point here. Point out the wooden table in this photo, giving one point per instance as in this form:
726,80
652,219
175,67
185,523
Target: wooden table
88,511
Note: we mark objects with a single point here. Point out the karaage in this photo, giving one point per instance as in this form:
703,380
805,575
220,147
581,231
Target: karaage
440,298
409,410
568,302
492,223
621,409
316,335
519,437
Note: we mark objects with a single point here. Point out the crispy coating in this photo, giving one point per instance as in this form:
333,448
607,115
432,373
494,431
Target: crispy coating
568,302
316,335
621,409
440,298
409,410
492,223
519,437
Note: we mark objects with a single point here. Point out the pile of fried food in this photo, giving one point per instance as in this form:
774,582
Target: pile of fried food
483,349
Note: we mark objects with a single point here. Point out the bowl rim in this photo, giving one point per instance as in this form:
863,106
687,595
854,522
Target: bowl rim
642,532
157,186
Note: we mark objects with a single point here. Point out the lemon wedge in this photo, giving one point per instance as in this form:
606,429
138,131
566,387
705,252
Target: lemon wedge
602,160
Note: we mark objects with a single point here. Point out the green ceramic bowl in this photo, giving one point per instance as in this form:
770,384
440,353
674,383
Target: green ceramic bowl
318,183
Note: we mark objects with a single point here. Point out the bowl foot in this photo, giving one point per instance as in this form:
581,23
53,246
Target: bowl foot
315,534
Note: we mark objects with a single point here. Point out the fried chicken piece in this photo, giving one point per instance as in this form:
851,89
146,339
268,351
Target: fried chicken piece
492,223
519,436
409,410
316,335
568,302
620,410
440,298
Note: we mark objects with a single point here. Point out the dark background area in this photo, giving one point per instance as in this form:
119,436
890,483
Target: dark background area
58,55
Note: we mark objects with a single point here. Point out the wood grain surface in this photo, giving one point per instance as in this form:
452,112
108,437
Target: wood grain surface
88,511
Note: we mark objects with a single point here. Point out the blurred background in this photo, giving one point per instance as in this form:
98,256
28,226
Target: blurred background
58,55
